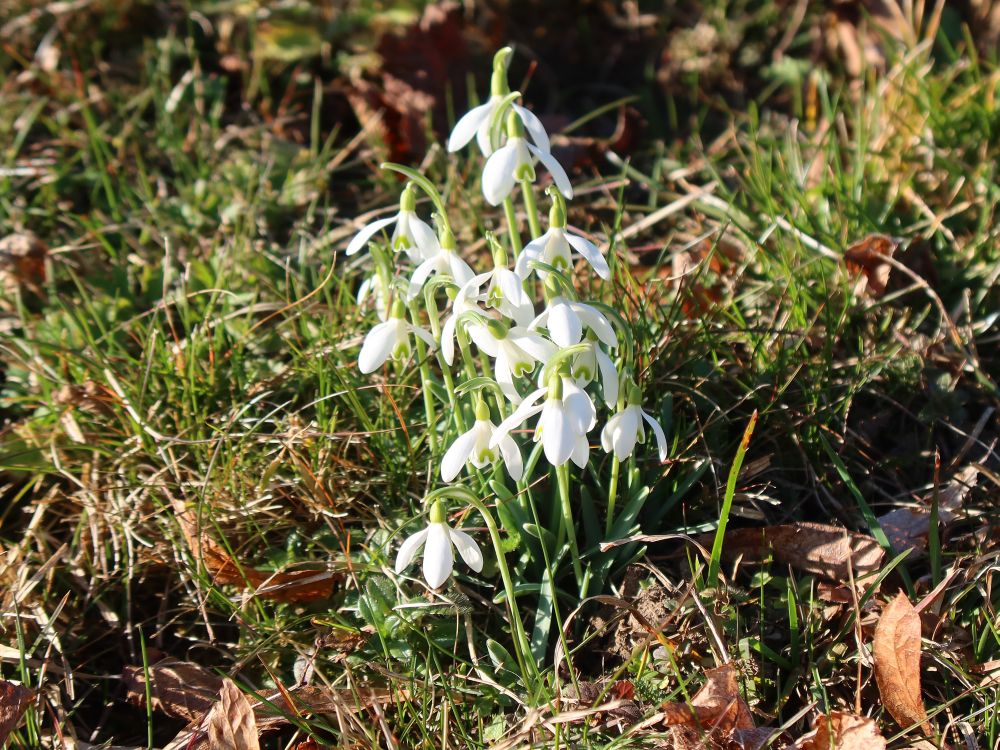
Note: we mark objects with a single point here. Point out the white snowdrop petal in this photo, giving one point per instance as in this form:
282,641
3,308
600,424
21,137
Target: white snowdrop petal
578,406
511,287
438,556
408,549
564,325
456,456
366,233
661,439
460,270
559,176
581,452
512,457
558,435
465,129
505,378
448,339
468,549
418,331
420,276
378,345
534,127
482,338
609,377
608,432
533,343
425,238
597,323
525,410
591,254
498,174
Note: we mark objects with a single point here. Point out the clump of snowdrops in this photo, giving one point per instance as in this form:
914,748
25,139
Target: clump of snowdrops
517,371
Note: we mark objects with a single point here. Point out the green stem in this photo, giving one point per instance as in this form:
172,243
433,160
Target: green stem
562,477
521,646
425,380
531,208
515,235
609,521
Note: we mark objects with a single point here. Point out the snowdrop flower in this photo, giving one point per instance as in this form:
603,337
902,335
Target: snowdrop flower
625,428
375,287
445,261
474,447
389,339
515,350
565,320
466,300
594,361
514,161
555,248
505,292
567,415
411,235
437,540
478,121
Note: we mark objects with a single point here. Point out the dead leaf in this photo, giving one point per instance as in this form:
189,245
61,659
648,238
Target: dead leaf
14,701
22,264
274,710
756,739
896,650
282,586
231,723
908,528
866,260
841,731
179,689
716,708
810,547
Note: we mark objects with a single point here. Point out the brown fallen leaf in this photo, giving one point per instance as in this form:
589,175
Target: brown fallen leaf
841,731
14,701
22,264
828,551
717,708
896,651
908,528
757,739
179,689
274,710
231,723
866,260
282,586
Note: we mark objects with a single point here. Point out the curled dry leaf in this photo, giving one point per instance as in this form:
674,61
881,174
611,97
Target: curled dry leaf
14,701
179,689
841,731
282,586
716,708
828,551
231,723
908,528
22,264
866,261
896,650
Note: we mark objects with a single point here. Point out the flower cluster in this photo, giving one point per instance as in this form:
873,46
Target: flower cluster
520,360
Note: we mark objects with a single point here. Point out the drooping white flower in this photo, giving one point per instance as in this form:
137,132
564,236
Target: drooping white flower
437,540
555,248
505,292
594,361
566,319
515,350
567,415
473,447
625,428
373,286
477,121
389,339
515,161
445,261
466,300
411,234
